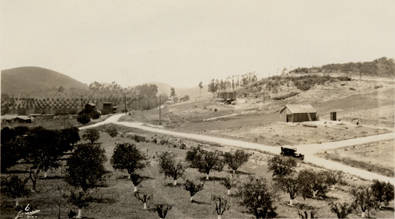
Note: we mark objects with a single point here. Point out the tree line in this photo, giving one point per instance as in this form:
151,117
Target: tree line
232,83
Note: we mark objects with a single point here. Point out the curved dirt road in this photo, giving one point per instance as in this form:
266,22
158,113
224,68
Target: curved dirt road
308,150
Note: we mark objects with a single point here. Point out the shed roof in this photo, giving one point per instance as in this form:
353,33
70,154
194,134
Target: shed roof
299,108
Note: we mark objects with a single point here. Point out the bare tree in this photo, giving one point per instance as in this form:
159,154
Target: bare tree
304,214
162,210
221,205
143,198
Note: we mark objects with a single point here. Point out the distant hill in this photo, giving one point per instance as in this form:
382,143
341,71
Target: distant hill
36,81
382,67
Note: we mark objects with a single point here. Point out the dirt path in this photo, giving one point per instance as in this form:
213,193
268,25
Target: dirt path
309,150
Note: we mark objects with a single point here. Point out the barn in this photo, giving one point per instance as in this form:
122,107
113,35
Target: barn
299,112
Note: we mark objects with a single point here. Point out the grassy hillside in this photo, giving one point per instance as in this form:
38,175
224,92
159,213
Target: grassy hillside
382,67
36,81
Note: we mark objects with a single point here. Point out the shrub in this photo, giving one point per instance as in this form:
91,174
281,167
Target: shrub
311,185
127,156
91,135
256,196
112,131
364,200
193,154
170,167
237,159
329,177
382,192
83,118
95,114
69,137
289,185
14,188
342,210
85,168
205,161
43,149
281,166
12,145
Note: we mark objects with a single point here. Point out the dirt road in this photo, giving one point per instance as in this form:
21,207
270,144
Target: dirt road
308,150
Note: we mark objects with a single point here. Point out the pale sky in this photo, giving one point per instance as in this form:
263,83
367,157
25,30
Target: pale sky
182,42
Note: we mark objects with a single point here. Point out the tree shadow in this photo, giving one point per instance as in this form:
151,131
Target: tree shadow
200,202
330,198
17,171
103,200
212,178
102,185
387,208
303,206
170,184
123,177
52,177
239,172
146,178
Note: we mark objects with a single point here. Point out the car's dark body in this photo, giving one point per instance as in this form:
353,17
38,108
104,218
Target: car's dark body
291,152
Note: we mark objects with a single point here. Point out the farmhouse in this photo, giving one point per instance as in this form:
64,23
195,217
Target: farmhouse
299,113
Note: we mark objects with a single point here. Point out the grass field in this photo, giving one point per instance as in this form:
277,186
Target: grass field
376,157
115,199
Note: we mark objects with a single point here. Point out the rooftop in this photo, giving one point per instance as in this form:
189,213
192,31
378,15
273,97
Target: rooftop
299,108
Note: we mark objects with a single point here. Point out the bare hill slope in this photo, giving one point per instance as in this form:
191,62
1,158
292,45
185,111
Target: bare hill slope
35,81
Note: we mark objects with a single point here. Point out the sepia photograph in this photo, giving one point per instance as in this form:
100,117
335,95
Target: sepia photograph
192,109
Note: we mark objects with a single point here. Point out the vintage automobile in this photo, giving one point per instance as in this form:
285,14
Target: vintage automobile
291,152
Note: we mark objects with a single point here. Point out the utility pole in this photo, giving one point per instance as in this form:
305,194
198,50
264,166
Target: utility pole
160,110
124,98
